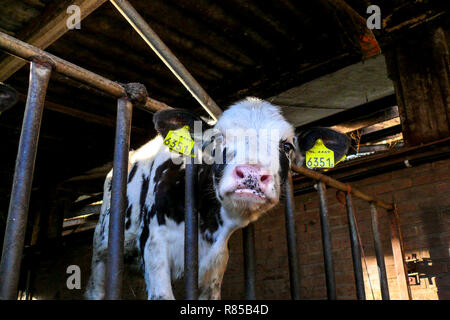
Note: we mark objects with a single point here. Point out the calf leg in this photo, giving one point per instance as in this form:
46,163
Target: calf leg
96,284
212,271
157,270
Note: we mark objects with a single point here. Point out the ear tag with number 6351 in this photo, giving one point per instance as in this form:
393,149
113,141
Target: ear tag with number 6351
319,156
179,141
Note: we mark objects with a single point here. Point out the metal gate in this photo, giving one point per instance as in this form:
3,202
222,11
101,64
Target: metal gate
43,64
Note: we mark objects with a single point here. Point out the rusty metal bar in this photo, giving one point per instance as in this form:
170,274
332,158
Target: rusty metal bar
40,71
190,232
114,266
379,253
166,55
26,51
326,242
248,240
291,239
401,269
341,186
356,250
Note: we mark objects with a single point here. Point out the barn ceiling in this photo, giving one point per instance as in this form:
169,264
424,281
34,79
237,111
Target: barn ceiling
304,55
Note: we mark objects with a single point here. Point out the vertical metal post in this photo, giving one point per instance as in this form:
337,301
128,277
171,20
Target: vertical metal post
379,253
399,254
356,250
248,240
114,266
40,71
326,242
291,239
191,232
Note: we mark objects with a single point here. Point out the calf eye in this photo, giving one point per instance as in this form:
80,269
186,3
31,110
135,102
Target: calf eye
288,147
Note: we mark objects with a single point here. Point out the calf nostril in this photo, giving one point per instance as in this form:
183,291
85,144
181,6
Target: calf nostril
265,178
239,173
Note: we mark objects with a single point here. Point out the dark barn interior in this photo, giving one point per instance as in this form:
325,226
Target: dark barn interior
387,89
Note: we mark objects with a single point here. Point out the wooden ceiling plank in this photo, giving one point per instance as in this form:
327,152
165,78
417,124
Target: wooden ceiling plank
48,33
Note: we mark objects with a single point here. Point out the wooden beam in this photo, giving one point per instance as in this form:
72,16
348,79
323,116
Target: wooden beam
370,119
357,114
46,29
419,67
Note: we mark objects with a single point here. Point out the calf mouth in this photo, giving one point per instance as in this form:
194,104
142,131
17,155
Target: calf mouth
249,194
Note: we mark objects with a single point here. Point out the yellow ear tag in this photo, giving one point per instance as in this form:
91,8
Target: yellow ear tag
319,156
179,141
343,157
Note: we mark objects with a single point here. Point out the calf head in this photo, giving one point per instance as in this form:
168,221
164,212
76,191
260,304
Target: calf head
333,140
247,152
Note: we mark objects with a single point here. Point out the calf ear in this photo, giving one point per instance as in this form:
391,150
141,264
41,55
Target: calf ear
173,119
333,140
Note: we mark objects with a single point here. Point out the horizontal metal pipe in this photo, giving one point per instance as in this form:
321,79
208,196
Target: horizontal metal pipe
340,186
166,55
40,72
26,51
291,239
114,266
248,240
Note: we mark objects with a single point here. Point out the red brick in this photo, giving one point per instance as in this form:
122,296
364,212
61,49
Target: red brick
441,164
443,188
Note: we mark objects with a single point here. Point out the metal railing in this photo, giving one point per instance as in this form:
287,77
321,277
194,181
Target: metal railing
42,65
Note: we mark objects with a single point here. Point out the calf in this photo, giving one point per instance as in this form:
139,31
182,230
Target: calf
240,178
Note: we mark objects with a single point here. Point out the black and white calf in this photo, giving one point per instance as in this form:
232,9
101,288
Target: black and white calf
254,145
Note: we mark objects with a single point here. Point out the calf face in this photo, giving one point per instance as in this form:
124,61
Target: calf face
250,150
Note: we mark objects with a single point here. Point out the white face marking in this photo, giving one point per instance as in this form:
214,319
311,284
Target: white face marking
252,131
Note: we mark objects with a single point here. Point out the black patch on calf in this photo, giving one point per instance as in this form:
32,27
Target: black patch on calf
284,163
127,216
169,195
132,172
208,205
145,230
143,195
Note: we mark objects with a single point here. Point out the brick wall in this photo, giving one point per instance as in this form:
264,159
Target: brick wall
422,195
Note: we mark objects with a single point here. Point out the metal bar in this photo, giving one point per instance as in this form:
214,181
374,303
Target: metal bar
169,59
40,71
340,186
26,51
356,250
379,253
291,239
114,266
248,240
326,242
399,254
190,232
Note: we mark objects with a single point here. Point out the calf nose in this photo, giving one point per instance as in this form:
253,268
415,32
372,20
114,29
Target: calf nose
252,177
